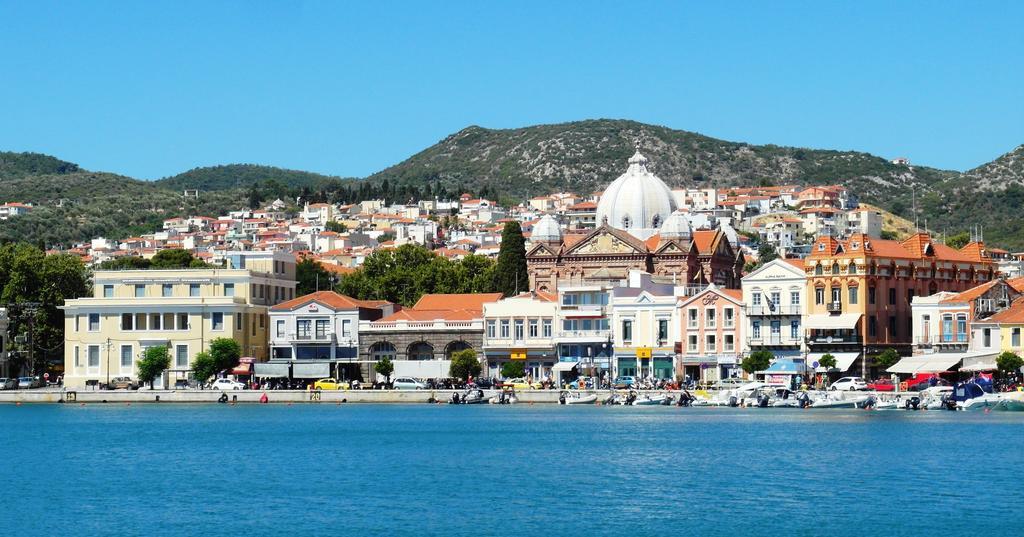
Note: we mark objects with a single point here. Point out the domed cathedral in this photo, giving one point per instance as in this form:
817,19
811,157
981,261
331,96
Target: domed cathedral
638,229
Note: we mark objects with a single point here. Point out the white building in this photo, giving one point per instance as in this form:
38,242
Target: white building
523,328
774,295
317,336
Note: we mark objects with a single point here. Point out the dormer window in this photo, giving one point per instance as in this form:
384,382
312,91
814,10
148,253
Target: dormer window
821,247
855,245
626,221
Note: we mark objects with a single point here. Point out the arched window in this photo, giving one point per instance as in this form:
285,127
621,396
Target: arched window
626,221
818,270
455,347
835,268
852,269
656,221
421,351
382,349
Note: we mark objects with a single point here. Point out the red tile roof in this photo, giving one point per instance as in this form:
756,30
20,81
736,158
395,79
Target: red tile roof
326,298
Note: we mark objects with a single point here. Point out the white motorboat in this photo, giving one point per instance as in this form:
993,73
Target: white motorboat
1012,401
839,400
472,396
989,400
975,395
651,400
567,398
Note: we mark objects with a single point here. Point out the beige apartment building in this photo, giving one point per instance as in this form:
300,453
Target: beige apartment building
182,309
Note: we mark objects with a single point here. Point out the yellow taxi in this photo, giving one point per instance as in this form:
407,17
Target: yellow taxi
520,384
331,384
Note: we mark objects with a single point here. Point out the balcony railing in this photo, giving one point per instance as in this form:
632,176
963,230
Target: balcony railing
834,307
585,334
853,339
311,337
774,340
777,310
952,338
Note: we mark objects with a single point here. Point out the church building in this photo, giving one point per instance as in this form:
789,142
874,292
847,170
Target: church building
638,228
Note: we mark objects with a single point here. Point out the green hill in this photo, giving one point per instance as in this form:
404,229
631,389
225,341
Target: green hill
231,176
511,164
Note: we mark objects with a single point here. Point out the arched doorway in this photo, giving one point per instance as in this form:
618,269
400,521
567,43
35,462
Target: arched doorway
421,350
454,347
381,350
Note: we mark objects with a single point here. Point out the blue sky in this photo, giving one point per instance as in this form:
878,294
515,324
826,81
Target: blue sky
150,89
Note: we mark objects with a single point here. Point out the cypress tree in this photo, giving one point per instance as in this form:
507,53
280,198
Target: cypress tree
510,273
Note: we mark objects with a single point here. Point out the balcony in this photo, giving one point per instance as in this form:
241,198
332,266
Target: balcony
583,310
773,340
834,307
583,336
847,339
311,338
776,310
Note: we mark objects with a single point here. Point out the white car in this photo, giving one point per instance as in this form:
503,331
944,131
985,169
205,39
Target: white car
227,384
849,384
408,383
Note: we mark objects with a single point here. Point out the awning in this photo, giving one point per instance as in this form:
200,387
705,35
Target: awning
784,367
939,362
242,369
270,370
311,371
979,362
564,366
843,360
826,321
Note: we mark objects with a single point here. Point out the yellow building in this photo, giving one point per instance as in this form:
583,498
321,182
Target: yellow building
183,309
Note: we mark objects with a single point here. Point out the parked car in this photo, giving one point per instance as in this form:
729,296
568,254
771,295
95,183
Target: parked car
624,382
484,383
923,381
331,384
849,384
408,383
227,384
122,383
25,383
521,384
3,383
882,385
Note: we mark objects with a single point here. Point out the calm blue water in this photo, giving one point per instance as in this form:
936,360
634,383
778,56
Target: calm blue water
521,470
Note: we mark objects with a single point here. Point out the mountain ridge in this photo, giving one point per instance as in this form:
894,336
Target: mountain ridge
512,164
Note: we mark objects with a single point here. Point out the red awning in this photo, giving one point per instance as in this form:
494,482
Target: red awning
242,369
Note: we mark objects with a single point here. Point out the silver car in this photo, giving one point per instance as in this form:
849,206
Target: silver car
408,383
25,383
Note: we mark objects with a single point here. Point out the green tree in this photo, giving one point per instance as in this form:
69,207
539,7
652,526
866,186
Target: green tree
888,234
757,361
385,367
172,258
1009,362
125,263
203,366
337,227
464,365
510,274
155,360
827,361
513,369
887,358
255,197
959,240
309,274
765,253
225,352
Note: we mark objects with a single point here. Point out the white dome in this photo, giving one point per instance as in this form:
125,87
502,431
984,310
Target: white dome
546,230
637,202
676,226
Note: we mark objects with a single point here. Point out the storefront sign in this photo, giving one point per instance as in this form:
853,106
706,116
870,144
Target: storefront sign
643,352
517,354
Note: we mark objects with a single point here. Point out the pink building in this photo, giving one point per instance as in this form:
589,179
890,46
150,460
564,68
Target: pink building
712,334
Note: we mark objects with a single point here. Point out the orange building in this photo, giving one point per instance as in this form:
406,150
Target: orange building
860,290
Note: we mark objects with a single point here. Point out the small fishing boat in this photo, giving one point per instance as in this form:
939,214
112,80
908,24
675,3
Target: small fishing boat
472,396
567,398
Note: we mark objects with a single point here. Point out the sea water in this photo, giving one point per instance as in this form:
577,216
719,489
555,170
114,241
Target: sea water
252,470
